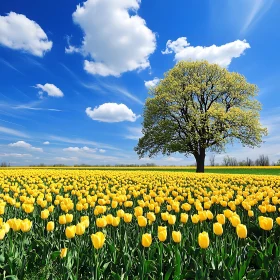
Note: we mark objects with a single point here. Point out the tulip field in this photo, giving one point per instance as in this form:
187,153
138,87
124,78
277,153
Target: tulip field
107,224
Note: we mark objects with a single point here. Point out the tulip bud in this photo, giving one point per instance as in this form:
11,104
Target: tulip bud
217,228
50,226
146,240
98,240
176,236
241,231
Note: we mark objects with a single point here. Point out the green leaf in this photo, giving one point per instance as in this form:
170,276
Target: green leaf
168,274
55,255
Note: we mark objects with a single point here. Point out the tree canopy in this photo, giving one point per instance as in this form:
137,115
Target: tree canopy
198,107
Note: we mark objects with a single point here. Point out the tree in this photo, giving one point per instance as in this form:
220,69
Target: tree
262,161
212,160
199,107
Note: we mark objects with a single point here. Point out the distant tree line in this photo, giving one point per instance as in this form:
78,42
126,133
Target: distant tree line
263,160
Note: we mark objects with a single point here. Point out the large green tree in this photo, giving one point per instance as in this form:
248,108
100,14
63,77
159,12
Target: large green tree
198,107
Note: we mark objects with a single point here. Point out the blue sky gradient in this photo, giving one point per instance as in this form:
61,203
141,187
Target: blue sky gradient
46,84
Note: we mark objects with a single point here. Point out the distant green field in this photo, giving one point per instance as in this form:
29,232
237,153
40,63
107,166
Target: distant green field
272,170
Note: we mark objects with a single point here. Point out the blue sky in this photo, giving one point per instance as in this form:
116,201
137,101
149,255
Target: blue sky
75,75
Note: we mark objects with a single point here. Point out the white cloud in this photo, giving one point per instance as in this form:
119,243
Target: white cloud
221,55
13,132
172,159
20,33
46,143
152,83
111,112
74,159
77,149
15,155
102,151
116,40
22,144
50,89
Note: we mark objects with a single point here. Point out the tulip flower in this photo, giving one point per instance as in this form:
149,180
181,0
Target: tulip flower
70,232
184,218
171,219
142,221
45,214
217,228
62,220
241,231
203,240
146,240
69,218
63,253
162,233
176,236
80,229
50,226
98,240
221,219
127,217
265,223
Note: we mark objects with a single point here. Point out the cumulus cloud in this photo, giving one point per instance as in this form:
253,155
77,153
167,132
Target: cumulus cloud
111,112
46,143
152,83
102,151
221,55
25,145
20,33
116,40
50,89
77,149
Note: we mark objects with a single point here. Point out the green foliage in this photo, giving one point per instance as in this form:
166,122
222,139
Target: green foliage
198,107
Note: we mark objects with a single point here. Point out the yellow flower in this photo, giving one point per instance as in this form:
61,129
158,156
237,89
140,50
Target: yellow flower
228,213
101,222
127,217
142,221
146,240
221,219
171,219
98,240
217,228
70,231
195,218
80,229
278,220
114,204
241,231
69,218
162,233
209,215
138,211
184,218
45,214
151,216
62,220
164,216
265,223
235,220
63,253
176,236
2,234
120,213
50,226
109,219
250,213
25,225
115,221
203,240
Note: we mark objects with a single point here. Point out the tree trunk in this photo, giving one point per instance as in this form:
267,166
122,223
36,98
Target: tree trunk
200,160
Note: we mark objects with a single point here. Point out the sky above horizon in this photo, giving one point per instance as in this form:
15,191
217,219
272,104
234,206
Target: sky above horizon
75,75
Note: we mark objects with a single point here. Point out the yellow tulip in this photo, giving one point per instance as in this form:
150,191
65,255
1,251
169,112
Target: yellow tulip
98,240
109,219
25,225
221,219
151,216
2,234
120,213
115,221
69,218
70,231
80,229
235,220
101,222
278,220
176,236
184,218
63,253
127,217
62,220
217,228
142,221
50,226
265,223
45,214
241,231
146,240
209,215
171,219
195,218
162,233
203,240
138,211
164,216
